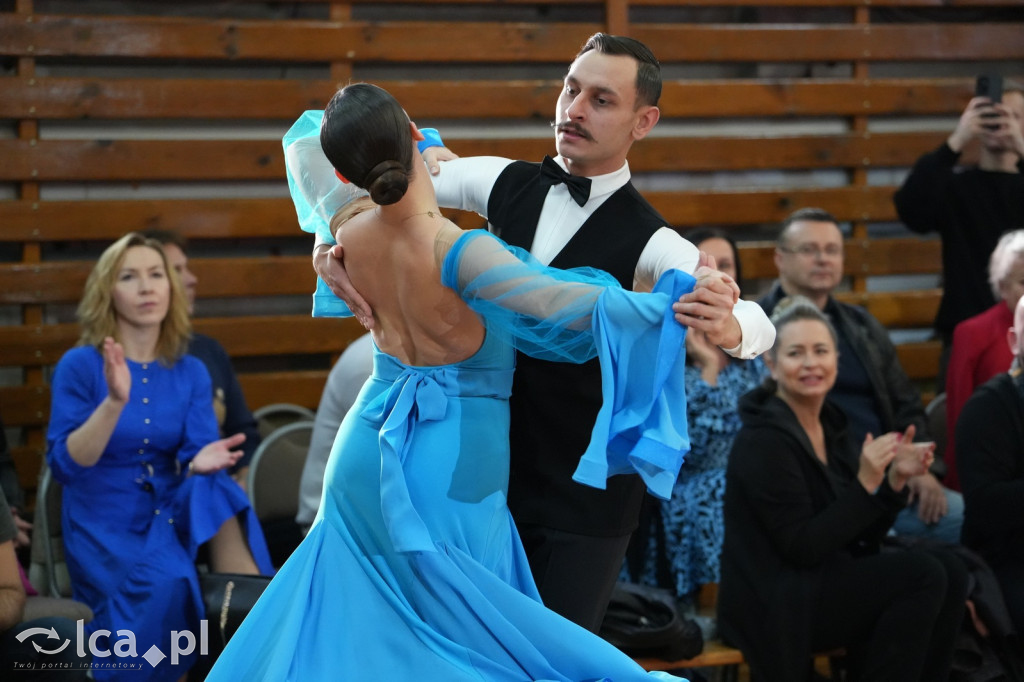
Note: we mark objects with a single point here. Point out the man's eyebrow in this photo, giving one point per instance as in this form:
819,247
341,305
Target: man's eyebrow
599,89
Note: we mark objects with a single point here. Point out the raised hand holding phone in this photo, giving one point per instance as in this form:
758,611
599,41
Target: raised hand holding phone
989,86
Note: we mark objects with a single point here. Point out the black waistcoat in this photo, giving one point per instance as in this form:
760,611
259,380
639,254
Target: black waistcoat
554,404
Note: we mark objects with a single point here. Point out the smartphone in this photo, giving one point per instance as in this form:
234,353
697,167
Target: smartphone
989,85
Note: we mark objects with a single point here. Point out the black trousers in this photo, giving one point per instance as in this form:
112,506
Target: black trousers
896,613
575,574
1010,574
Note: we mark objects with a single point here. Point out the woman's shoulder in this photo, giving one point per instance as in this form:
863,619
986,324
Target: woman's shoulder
766,419
452,245
458,238
996,394
80,356
756,435
761,408
188,362
760,452
79,366
191,365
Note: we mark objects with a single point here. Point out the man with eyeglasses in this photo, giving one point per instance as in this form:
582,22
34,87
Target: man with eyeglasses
871,387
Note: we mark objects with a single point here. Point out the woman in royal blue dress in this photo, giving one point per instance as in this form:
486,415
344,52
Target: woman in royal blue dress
134,440
413,569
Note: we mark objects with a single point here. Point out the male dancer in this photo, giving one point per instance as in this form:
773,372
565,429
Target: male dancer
576,536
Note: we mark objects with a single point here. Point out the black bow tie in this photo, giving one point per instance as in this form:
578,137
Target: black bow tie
552,174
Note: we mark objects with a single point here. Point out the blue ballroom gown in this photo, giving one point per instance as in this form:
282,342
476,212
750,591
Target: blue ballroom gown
132,523
413,569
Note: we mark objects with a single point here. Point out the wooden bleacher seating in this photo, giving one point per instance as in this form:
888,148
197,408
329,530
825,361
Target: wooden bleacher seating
457,62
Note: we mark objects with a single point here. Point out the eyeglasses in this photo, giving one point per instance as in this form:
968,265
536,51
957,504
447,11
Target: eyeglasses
814,251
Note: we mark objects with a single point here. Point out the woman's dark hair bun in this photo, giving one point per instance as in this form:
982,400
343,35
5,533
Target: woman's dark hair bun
366,135
387,182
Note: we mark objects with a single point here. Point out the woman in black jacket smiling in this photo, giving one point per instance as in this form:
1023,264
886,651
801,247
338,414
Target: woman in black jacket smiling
805,513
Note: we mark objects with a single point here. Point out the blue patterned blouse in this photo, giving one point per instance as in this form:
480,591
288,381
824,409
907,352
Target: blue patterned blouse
687,540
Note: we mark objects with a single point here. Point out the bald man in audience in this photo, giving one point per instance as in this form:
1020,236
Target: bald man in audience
871,387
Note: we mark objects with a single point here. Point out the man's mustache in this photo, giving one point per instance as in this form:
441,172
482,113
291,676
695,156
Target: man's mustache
571,127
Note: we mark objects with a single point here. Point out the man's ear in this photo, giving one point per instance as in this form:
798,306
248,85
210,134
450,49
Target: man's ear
416,134
647,117
1011,338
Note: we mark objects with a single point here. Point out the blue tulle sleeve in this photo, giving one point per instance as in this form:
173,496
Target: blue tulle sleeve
546,311
573,315
327,304
641,427
316,190
317,193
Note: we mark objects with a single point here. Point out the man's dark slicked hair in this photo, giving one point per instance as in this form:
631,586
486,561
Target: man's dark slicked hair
648,70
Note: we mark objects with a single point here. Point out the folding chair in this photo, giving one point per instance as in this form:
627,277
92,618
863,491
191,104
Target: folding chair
273,485
271,417
48,571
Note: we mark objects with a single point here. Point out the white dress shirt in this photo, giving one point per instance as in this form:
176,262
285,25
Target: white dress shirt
466,184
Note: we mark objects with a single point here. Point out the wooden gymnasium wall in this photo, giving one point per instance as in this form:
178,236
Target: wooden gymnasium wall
122,115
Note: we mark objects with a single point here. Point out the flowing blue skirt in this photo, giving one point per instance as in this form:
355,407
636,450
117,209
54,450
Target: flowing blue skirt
413,569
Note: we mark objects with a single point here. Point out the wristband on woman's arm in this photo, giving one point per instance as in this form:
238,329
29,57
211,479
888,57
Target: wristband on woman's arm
431,138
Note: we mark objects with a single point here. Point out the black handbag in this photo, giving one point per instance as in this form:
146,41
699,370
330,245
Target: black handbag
228,598
646,621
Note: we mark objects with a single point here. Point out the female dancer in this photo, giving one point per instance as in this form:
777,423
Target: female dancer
413,569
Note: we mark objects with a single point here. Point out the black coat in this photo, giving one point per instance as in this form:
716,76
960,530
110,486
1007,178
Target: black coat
970,208
788,517
990,431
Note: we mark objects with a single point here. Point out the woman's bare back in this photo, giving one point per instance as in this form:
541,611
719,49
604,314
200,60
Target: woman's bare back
417,319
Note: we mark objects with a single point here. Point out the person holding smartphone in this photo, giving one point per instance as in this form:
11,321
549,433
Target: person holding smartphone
969,209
